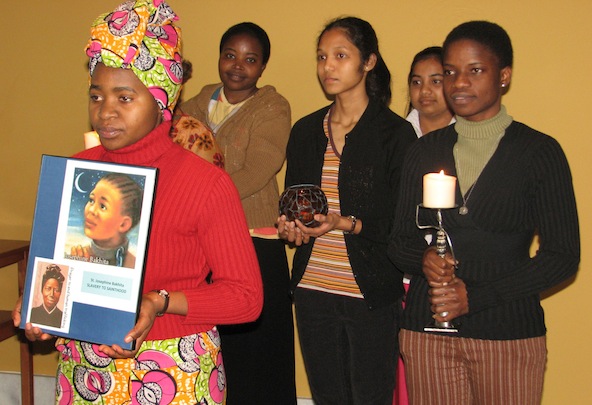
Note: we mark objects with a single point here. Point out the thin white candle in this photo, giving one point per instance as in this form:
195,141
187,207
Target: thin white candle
439,190
91,139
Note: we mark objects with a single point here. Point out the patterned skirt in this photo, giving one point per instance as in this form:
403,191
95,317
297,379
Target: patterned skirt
187,370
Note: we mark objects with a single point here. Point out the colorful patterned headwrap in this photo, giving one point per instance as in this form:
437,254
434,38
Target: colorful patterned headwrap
140,35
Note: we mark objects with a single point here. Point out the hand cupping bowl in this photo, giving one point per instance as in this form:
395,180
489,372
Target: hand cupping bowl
302,202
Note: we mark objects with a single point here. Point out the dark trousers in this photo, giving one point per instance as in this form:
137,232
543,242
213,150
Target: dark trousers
259,356
350,352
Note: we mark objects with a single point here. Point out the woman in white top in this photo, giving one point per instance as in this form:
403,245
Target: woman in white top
428,110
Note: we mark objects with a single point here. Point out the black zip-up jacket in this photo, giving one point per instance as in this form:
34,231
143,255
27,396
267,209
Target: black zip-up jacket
368,181
525,189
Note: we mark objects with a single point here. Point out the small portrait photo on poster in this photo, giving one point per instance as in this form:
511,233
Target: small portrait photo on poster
47,307
88,248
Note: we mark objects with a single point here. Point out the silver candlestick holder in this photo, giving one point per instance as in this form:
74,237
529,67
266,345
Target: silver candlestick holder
443,244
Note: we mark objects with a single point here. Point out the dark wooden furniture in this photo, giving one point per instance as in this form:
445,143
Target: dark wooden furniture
16,252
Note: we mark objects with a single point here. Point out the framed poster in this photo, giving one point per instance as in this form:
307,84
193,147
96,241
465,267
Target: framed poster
88,249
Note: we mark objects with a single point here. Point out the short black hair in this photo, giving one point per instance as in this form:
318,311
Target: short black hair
252,30
488,34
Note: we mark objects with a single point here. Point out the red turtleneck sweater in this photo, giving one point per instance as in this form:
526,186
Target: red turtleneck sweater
198,226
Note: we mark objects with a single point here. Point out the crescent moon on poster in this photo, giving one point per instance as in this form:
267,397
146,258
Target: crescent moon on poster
77,183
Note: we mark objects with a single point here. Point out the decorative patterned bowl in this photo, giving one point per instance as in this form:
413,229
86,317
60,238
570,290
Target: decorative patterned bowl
302,202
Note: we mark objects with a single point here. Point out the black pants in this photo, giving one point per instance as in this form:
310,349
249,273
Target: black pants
350,352
259,356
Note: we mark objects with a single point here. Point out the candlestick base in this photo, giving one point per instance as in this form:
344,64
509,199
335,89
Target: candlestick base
441,327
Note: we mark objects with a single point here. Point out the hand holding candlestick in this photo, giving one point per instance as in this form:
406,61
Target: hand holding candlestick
442,241
439,193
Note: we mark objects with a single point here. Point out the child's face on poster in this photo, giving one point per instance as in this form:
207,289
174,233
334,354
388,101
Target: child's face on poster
103,219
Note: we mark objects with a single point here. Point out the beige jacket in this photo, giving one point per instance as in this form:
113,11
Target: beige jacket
253,142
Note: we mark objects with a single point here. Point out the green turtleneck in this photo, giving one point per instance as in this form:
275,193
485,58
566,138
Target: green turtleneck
477,141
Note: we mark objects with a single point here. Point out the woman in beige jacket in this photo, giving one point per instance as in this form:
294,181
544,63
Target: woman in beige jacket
251,126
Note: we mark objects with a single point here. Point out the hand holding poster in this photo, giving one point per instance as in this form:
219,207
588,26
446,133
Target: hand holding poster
88,246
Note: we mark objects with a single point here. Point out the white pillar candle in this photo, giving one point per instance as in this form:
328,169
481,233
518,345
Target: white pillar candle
91,139
439,190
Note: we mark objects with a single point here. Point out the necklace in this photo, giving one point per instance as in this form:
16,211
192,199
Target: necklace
464,210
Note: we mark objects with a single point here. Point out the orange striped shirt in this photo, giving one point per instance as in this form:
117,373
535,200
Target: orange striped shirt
328,268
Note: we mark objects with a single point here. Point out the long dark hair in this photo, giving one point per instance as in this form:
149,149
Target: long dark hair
363,36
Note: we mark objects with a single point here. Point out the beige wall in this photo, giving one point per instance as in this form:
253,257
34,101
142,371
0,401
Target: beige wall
43,106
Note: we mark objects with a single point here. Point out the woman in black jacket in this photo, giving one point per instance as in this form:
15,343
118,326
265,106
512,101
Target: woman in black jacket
513,183
346,291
